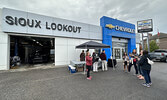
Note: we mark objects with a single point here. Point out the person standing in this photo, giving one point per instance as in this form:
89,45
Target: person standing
146,68
140,76
125,63
82,56
133,61
94,56
88,65
95,62
103,59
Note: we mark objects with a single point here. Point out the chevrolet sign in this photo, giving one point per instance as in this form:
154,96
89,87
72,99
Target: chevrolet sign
120,28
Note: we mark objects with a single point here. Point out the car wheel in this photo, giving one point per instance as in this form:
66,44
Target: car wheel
166,59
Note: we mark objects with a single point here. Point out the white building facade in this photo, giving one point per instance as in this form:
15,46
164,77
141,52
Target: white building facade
21,32
66,34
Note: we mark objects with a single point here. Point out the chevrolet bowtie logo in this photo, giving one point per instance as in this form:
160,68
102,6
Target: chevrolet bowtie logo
110,26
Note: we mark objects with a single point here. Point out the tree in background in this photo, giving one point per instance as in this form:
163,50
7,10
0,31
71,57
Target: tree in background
153,46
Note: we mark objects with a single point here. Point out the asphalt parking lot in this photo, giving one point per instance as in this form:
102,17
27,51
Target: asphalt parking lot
59,84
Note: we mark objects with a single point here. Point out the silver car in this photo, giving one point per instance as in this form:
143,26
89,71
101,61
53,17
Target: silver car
160,55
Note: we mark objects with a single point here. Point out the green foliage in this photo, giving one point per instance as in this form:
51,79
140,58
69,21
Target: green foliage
146,48
153,46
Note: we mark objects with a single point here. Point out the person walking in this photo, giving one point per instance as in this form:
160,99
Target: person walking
103,59
88,65
146,68
126,61
82,56
133,61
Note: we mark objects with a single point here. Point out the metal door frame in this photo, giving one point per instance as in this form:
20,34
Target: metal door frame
120,52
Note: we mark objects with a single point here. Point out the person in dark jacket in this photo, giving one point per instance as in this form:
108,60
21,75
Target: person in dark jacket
94,56
103,59
95,62
146,68
82,56
140,76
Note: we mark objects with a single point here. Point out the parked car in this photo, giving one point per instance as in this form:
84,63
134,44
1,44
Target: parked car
159,54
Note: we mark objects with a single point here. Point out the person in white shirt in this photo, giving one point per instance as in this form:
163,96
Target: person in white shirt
126,62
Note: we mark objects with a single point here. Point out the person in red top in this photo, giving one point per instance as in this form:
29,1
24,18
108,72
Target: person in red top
88,65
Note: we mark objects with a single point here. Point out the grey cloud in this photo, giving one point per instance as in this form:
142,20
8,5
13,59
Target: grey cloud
90,11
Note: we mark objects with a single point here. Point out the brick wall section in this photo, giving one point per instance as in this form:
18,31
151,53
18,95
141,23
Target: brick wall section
163,43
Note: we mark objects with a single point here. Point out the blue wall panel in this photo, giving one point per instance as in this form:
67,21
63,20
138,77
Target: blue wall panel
109,33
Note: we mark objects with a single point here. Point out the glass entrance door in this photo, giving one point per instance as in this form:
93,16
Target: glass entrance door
118,52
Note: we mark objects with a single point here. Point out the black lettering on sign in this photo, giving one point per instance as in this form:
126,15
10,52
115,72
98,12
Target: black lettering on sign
22,21
59,27
9,20
16,22
30,24
70,28
53,26
75,29
37,24
79,28
47,27
65,28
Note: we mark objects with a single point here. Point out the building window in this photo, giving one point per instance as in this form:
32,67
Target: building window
157,40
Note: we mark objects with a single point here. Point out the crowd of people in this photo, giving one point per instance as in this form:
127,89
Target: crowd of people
92,62
141,65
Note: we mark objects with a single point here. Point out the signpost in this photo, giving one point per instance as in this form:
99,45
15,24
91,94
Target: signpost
145,26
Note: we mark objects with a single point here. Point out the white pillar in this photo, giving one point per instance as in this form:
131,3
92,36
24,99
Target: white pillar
4,47
138,48
55,51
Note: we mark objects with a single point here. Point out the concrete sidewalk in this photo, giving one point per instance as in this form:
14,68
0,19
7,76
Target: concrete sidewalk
59,84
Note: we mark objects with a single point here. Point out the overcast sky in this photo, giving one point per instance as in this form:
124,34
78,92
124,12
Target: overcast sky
90,11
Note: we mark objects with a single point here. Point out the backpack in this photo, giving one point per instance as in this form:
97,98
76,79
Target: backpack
150,61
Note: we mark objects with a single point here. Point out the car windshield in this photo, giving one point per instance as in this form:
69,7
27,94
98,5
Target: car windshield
160,51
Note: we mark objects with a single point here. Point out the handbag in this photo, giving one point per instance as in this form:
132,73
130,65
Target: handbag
150,61
134,60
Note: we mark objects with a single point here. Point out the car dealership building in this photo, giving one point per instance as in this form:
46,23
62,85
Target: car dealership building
38,38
